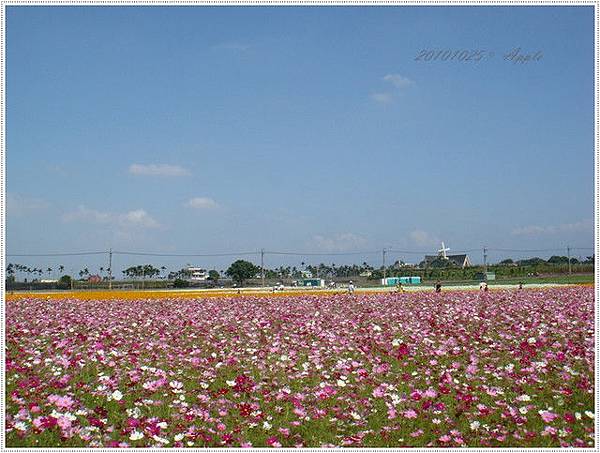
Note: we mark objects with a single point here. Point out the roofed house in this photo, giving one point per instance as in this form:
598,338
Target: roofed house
460,260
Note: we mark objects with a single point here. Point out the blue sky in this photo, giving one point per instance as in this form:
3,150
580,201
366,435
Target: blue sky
206,130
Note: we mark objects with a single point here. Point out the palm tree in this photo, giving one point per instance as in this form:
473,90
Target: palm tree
84,272
49,270
61,269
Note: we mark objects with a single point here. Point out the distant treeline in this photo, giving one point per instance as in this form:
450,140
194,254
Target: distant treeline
23,277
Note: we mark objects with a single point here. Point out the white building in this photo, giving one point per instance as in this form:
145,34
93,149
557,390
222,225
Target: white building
198,274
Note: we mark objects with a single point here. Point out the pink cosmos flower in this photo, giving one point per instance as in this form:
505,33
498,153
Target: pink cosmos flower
548,416
273,442
416,395
410,414
391,412
63,402
378,392
64,423
38,422
430,393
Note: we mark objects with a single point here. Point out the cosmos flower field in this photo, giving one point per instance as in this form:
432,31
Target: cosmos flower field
504,368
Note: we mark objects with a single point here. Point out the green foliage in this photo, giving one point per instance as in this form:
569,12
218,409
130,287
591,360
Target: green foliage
531,262
442,263
144,271
242,270
179,283
558,260
180,274
64,282
213,275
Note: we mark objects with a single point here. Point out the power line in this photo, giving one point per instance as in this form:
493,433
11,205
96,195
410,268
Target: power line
274,252
57,254
426,252
540,250
185,254
372,252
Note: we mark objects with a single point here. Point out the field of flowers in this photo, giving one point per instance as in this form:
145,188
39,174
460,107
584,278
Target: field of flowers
504,368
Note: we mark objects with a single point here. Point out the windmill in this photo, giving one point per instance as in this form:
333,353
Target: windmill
443,250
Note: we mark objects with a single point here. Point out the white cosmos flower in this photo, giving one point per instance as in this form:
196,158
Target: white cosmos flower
475,425
162,440
589,414
230,383
136,435
178,437
341,383
116,395
267,426
396,342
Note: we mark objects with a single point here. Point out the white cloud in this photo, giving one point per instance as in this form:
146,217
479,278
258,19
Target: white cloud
342,242
382,98
398,81
136,219
234,46
422,238
201,203
537,230
18,205
157,170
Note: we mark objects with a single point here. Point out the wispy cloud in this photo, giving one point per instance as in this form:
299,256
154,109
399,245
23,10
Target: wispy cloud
382,98
157,170
135,219
537,230
423,238
18,205
234,46
399,83
342,242
398,80
201,203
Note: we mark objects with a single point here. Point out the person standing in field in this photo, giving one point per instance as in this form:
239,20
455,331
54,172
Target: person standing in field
483,286
350,287
399,288
438,287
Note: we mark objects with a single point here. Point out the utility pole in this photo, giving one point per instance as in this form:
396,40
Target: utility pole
485,260
110,268
569,257
262,267
383,256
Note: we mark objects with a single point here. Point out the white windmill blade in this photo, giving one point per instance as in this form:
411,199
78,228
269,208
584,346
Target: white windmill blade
443,250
